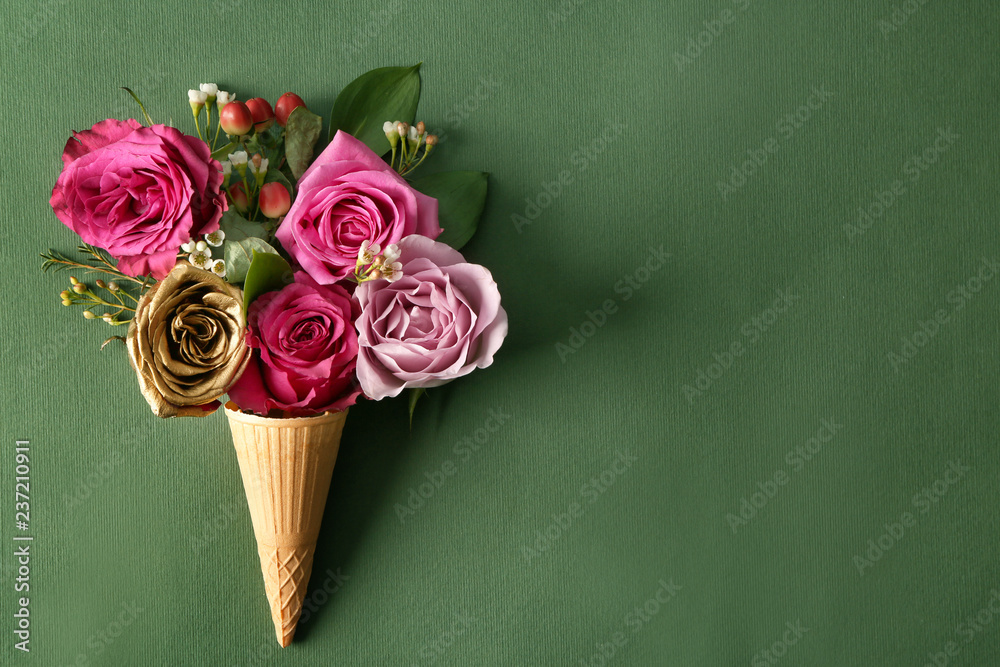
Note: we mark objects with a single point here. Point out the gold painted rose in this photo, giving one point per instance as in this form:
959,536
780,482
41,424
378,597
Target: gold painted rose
186,342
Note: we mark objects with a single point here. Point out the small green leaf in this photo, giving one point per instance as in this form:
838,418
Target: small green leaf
267,273
223,153
276,176
240,254
149,121
301,133
238,228
386,93
461,197
415,395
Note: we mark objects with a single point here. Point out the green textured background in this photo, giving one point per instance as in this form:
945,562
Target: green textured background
521,90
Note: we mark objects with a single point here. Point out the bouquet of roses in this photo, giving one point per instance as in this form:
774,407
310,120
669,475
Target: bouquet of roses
297,285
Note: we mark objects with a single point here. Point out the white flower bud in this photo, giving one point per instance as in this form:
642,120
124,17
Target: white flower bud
210,89
238,158
197,97
391,253
223,98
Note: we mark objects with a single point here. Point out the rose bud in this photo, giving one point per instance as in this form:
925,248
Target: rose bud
235,118
286,104
238,195
263,114
274,200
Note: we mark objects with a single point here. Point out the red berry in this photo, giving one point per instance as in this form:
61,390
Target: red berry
274,200
236,118
238,195
286,104
263,115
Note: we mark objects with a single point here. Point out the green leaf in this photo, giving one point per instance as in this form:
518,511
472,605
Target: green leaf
461,197
301,132
223,153
276,176
149,121
386,93
415,395
238,228
267,273
240,254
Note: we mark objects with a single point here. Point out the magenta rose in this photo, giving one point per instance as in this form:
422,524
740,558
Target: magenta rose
441,320
138,192
305,349
347,196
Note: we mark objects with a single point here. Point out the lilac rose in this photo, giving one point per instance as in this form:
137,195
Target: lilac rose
441,320
347,196
138,192
304,351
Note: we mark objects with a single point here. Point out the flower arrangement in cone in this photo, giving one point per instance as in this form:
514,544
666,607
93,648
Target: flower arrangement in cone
247,262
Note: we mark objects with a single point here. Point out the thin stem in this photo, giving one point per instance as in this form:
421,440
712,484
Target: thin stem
218,127
102,302
95,269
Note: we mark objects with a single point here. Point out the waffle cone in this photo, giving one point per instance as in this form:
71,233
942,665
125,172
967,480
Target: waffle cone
286,466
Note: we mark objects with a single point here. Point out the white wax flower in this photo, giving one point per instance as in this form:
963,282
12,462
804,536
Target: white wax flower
368,251
216,238
392,271
391,253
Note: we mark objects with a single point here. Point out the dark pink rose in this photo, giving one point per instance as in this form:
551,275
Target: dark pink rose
138,192
349,195
441,320
305,350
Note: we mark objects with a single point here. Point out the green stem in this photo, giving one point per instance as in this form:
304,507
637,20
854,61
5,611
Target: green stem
102,302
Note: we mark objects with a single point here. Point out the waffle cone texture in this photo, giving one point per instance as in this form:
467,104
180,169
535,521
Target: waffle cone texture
286,466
